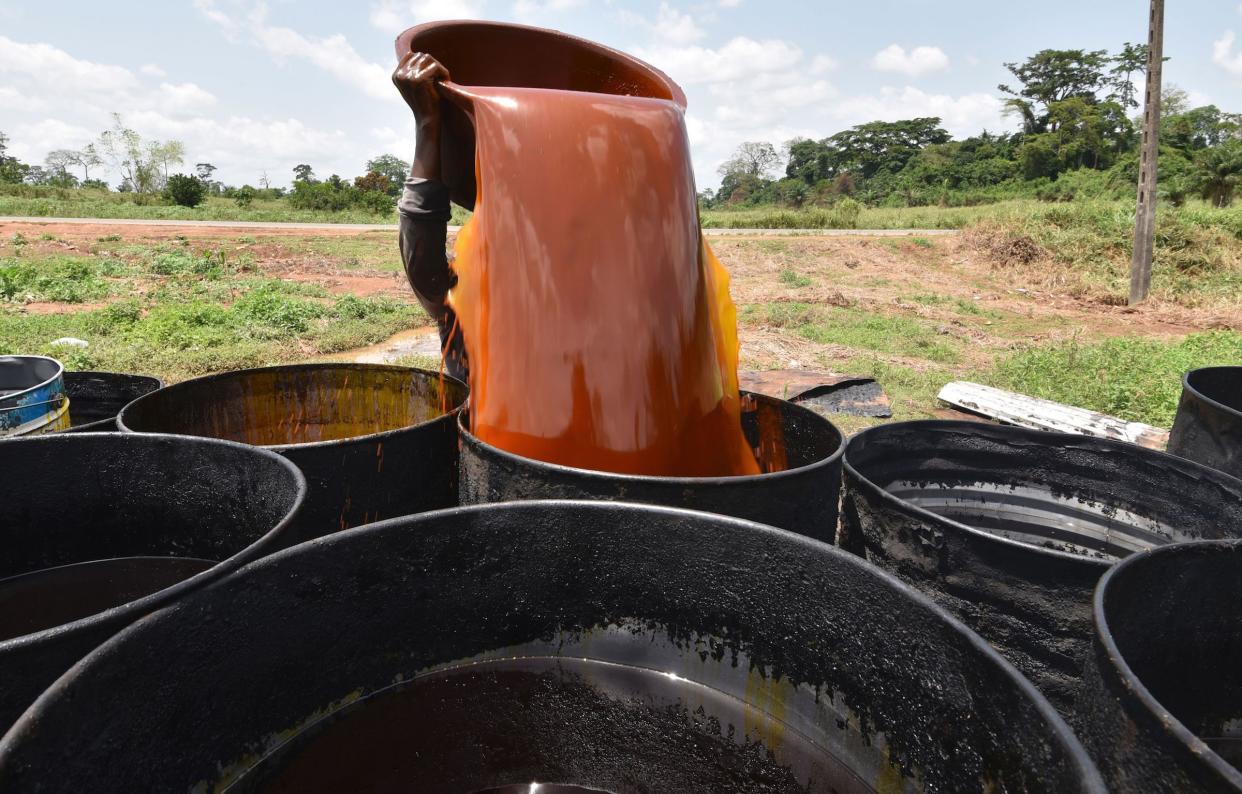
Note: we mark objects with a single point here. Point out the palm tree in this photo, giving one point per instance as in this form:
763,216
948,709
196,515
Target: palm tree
1218,171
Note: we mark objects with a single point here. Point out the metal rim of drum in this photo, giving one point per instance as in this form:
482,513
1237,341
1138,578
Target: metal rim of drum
1118,670
110,422
471,439
1216,404
1040,436
15,396
238,374
127,613
402,46
1077,757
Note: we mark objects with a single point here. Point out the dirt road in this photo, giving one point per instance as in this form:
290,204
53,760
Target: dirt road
55,225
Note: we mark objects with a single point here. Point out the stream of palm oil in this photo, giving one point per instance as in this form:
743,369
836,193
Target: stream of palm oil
597,323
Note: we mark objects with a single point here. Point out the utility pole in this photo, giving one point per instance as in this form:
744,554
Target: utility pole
1145,216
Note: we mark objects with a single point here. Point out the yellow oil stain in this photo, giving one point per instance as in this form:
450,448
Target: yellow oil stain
317,404
766,698
890,779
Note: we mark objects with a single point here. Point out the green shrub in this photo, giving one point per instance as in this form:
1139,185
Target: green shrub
185,190
244,196
61,279
275,314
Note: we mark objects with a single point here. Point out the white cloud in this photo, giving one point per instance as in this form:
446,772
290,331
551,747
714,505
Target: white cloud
670,27
32,141
730,3
757,90
183,97
1224,56
333,54
395,16
920,60
530,9
15,101
39,76
677,27
961,115
53,100
54,66
152,70
823,63
739,58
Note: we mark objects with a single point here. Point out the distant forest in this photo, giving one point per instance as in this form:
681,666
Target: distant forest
1079,139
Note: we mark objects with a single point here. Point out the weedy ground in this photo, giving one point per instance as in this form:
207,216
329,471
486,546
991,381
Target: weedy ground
1031,302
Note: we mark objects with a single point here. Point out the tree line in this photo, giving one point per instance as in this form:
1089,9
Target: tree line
1077,139
145,167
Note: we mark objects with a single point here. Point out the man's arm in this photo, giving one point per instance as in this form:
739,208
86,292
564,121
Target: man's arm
424,207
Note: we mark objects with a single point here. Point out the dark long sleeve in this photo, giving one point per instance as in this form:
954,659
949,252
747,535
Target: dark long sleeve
423,221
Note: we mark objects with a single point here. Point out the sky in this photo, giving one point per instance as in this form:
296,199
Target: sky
257,87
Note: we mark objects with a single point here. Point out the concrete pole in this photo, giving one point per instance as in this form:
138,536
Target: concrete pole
1145,217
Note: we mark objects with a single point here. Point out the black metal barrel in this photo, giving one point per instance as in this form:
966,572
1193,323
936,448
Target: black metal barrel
801,496
1010,529
1208,425
95,398
1161,700
613,647
100,529
374,441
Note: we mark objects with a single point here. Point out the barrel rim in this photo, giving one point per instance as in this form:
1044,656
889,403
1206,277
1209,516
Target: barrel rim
280,448
126,375
402,46
1118,672
559,469
1077,756
1047,438
1201,397
124,614
11,400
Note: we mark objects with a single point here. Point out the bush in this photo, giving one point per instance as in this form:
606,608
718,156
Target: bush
847,211
187,191
244,196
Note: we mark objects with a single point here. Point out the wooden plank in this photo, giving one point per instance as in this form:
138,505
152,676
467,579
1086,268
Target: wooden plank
1023,411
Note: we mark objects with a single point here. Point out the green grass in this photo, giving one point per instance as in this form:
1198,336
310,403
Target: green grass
857,328
176,312
1114,219
96,204
791,278
61,278
1135,379
79,203
1198,254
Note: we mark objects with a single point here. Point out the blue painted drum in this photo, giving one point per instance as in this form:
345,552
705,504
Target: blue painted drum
32,395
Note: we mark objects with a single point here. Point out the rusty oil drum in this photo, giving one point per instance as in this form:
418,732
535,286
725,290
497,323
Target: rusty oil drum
374,441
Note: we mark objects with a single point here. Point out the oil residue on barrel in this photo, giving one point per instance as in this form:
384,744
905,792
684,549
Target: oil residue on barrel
597,323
